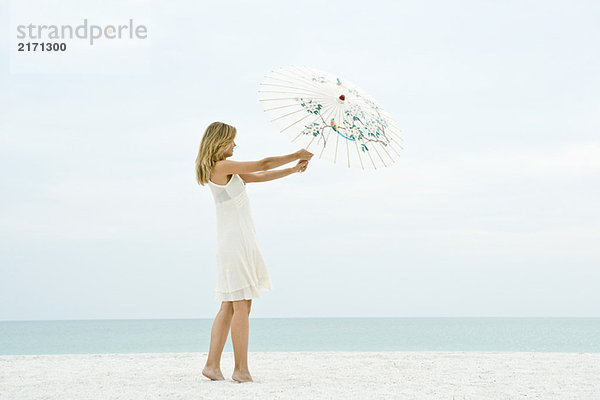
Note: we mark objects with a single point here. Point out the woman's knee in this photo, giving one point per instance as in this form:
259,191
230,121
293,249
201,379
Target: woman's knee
227,307
242,306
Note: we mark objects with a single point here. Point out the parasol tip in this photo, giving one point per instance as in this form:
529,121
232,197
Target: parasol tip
342,97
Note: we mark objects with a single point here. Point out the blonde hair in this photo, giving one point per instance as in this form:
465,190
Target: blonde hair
216,138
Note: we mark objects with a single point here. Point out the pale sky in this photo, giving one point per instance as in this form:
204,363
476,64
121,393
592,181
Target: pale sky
492,209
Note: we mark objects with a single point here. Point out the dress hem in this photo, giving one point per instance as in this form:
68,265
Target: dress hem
246,293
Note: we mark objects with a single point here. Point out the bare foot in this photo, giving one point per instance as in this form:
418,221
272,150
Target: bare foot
213,374
241,376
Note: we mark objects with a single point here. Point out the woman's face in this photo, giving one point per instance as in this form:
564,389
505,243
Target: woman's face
229,150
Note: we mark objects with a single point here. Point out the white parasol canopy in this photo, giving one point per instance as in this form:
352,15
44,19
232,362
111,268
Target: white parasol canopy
330,117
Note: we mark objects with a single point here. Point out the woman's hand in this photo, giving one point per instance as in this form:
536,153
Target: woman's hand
301,166
304,154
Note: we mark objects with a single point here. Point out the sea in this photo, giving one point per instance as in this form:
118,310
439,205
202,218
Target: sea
572,335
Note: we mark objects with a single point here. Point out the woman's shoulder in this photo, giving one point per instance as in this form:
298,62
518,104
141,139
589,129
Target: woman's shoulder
216,169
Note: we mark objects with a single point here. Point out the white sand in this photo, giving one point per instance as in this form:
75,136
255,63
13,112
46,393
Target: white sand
305,375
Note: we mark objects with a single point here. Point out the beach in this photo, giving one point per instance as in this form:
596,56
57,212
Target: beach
305,375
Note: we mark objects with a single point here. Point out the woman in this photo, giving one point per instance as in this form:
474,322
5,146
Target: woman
241,271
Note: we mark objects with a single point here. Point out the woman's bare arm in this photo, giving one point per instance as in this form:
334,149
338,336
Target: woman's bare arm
277,161
229,167
265,176
280,173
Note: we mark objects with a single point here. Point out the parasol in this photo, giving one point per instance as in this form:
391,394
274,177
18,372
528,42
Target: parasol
330,117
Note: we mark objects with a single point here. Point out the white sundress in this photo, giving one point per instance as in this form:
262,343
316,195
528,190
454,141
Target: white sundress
241,270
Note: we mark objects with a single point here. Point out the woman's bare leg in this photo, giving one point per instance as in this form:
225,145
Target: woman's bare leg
218,337
239,336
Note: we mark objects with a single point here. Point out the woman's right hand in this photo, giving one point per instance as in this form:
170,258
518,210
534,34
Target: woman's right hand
301,166
304,154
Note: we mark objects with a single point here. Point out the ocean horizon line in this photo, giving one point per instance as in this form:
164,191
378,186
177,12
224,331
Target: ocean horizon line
195,318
